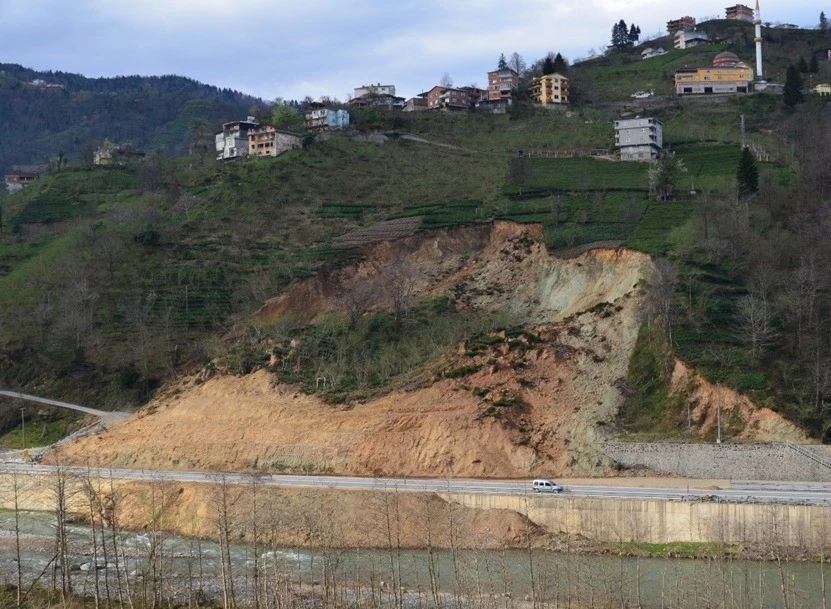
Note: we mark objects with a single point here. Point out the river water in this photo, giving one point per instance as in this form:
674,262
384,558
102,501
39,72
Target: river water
184,569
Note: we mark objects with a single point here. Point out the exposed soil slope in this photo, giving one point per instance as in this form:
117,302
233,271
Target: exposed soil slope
537,402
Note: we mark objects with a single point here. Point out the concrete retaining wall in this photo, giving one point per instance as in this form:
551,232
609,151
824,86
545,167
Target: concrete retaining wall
656,521
772,461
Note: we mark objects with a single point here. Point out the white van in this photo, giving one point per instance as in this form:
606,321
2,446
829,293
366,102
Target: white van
546,486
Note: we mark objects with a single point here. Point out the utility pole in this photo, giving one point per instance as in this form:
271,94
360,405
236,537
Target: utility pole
742,116
23,427
718,413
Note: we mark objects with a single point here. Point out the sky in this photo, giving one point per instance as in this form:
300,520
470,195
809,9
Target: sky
293,49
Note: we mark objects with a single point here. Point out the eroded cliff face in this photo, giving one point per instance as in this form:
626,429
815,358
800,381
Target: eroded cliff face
537,402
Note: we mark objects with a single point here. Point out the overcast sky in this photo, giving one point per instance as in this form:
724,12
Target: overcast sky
277,48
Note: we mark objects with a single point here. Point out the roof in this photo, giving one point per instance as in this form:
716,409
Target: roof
726,59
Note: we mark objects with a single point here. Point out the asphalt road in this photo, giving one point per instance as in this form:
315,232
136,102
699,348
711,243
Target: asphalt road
802,494
106,417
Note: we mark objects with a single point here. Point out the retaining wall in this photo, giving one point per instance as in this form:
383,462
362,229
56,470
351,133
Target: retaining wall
660,521
772,461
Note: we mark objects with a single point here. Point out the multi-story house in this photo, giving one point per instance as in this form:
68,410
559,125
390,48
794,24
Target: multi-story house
377,100
823,89
550,89
727,75
685,39
474,94
320,119
232,141
502,84
740,12
447,98
682,24
270,141
639,139
21,176
378,89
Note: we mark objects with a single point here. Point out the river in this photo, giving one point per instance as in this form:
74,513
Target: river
185,569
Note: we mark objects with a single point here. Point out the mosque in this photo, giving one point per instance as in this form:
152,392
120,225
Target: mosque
727,75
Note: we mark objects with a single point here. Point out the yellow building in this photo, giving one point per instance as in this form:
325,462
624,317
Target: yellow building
823,89
550,89
728,74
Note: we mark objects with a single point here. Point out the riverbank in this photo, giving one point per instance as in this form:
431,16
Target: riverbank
330,518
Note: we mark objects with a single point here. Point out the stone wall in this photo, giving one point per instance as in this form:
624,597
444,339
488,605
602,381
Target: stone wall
772,461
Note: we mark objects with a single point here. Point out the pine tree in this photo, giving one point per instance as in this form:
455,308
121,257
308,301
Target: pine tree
548,65
634,34
823,21
813,67
502,64
747,174
560,64
620,35
792,94
803,65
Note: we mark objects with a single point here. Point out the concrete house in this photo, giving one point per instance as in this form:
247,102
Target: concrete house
378,89
270,141
502,84
322,119
550,89
649,53
232,141
447,98
680,24
639,139
823,89
740,12
687,39
416,104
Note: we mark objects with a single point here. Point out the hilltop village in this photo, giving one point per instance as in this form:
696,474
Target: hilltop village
546,84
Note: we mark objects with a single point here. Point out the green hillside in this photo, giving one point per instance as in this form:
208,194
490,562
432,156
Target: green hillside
115,279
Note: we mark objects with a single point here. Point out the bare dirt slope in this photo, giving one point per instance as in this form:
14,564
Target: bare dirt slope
539,402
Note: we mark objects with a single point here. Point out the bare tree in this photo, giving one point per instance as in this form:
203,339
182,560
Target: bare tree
663,283
754,324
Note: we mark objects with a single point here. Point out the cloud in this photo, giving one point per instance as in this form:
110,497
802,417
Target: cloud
291,49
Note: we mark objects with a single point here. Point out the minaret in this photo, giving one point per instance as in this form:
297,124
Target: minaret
758,23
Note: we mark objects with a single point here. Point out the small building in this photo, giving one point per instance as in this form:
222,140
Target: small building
21,176
823,89
447,98
270,141
474,94
502,84
740,12
416,104
786,26
639,139
383,101
114,154
687,40
232,141
686,23
727,75
378,89
550,89
649,52
322,119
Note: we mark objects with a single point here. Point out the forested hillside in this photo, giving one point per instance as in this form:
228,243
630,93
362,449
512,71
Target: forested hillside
151,113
